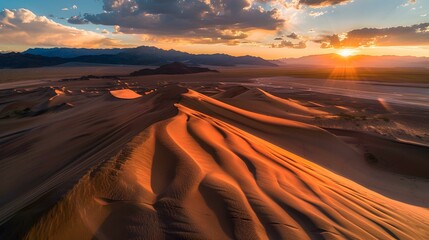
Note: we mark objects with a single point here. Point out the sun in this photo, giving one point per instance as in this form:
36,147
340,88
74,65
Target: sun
347,52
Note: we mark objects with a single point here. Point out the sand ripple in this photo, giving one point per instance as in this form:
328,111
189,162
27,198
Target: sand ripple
196,176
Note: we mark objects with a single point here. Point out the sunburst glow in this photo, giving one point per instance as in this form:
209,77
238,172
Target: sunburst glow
347,52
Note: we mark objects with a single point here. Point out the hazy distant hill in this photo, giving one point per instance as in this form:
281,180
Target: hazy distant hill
71,52
335,60
19,60
136,56
171,69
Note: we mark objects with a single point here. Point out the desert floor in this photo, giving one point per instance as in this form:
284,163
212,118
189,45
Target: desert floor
247,153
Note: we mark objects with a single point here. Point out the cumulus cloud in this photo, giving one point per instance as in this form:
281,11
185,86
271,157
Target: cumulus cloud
293,36
23,27
213,20
320,3
415,35
74,7
289,44
408,3
317,14
116,29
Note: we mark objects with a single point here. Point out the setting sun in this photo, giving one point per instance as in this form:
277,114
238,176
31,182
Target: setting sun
347,52
214,119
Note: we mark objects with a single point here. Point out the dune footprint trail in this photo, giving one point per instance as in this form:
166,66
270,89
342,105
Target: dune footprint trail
194,176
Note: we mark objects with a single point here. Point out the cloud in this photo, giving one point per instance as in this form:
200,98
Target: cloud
116,29
74,7
289,44
317,14
408,3
415,35
77,20
213,20
293,36
320,3
23,27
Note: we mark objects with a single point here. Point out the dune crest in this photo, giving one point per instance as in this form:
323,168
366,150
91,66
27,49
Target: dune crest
288,105
125,94
198,176
258,100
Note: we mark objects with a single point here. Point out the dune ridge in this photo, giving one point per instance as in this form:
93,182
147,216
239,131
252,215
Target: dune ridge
125,94
45,153
256,99
288,105
205,174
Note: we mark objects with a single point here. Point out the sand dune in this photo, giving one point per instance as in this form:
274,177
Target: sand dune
215,171
315,145
34,102
231,92
256,99
288,105
45,154
125,94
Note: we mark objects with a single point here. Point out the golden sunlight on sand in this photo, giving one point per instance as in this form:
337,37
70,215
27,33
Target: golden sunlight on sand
125,94
215,171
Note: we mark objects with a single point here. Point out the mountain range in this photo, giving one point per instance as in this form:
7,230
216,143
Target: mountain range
144,55
73,52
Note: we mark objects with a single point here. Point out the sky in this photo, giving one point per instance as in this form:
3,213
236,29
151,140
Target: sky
270,29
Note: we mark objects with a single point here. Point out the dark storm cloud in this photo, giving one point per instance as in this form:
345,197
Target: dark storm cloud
215,19
415,35
321,3
77,20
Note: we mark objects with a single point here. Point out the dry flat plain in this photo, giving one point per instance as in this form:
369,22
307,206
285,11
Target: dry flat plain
247,153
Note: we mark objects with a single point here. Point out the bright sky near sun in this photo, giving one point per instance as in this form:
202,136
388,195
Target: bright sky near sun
267,28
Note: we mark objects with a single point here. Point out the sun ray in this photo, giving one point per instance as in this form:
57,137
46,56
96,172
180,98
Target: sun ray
347,52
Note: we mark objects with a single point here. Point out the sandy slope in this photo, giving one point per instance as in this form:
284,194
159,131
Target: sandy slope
214,171
287,105
263,102
125,94
46,148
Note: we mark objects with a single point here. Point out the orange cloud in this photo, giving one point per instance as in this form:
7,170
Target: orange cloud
415,35
23,27
320,3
